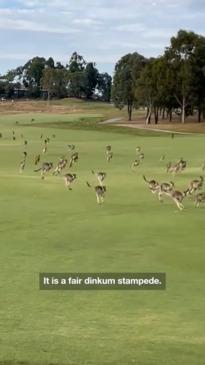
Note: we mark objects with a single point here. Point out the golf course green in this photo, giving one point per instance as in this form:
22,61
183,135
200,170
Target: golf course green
44,227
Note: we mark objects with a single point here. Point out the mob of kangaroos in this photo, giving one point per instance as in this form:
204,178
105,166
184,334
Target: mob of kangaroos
161,189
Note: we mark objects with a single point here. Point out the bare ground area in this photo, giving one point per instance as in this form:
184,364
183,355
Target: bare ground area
37,106
191,125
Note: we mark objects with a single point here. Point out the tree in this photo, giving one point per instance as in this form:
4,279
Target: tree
104,86
126,76
32,74
76,68
199,75
55,82
91,79
50,63
180,57
154,90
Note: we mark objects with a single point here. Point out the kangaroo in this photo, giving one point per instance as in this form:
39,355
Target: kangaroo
141,156
153,185
69,178
100,193
166,189
182,164
44,150
195,185
108,148
73,159
109,156
22,166
45,168
71,147
199,198
177,197
37,159
100,176
60,166
172,168
135,164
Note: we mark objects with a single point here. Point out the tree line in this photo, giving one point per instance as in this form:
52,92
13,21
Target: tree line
166,86
173,83
78,79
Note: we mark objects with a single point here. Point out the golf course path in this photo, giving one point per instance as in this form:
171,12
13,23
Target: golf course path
152,129
117,122
111,121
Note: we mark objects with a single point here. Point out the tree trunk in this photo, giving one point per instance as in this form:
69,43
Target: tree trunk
163,114
156,115
129,110
183,110
199,114
160,112
148,118
49,97
170,115
147,113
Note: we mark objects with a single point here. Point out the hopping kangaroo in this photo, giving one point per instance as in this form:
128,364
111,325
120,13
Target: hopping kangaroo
109,153
44,150
182,164
177,197
195,185
199,198
153,185
109,156
60,166
136,163
37,159
45,168
69,178
141,156
108,148
73,159
166,189
100,176
100,193
71,147
173,168
22,166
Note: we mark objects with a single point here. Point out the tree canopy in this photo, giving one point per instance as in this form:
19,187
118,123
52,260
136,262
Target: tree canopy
173,82
78,78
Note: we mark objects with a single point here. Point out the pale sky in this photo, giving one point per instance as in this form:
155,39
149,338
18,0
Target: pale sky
100,30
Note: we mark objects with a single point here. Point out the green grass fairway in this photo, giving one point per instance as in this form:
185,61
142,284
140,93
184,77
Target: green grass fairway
44,228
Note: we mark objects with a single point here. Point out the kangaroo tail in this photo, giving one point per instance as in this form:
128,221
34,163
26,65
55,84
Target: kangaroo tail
37,170
144,177
88,184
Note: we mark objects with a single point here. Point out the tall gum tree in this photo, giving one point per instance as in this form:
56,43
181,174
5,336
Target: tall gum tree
126,76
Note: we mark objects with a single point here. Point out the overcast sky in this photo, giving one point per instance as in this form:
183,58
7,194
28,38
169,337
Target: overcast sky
100,30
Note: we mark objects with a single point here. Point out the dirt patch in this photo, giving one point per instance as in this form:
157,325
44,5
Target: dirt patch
36,107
